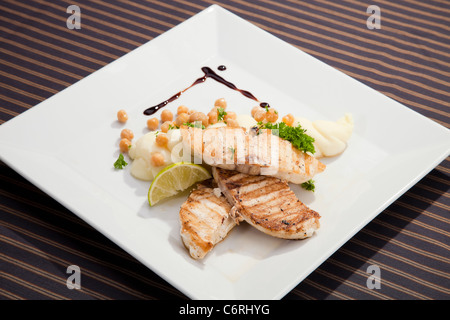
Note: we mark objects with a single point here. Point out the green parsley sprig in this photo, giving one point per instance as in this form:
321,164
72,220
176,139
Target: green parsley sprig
221,113
309,185
120,162
295,135
194,125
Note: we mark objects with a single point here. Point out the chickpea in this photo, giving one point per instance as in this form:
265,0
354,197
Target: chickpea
182,109
124,145
161,139
127,134
272,115
212,117
260,115
166,115
221,103
181,119
230,115
157,159
165,126
232,123
288,119
199,116
153,123
122,116
254,110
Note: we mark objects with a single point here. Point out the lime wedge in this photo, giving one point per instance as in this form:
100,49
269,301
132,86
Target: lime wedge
174,179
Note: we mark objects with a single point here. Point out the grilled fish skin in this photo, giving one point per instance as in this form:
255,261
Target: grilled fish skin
267,203
246,151
205,220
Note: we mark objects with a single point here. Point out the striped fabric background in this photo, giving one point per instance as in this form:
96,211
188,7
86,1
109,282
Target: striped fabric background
408,59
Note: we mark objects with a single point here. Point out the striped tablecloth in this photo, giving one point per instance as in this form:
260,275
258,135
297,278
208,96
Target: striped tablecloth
407,59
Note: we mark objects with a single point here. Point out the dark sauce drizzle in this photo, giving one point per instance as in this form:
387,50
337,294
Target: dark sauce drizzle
208,73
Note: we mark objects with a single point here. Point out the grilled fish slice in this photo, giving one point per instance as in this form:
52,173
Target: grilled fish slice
250,152
268,204
205,219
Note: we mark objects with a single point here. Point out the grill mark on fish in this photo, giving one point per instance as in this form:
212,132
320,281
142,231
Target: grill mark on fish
261,154
268,204
205,220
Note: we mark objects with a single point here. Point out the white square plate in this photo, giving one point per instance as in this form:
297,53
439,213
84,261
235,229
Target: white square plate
67,144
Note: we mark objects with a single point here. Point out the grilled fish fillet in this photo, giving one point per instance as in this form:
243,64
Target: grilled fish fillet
268,204
250,152
205,220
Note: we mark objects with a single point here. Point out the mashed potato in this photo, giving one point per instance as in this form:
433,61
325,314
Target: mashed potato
330,137
246,121
142,150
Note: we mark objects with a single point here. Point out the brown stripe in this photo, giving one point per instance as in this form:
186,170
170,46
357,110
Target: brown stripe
352,284
98,261
440,180
61,28
16,102
443,169
32,286
10,295
411,234
428,5
427,200
65,263
123,19
407,261
434,190
298,292
390,269
405,53
19,91
48,275
133,13
56,37
334,30
50,45
153,10
50,226
327,290
87,26
47,55
45,208
42,64
406,246
365,275
7,111
34,73
417,223
391,95
172,8
406,25
404,8
422,211
28,82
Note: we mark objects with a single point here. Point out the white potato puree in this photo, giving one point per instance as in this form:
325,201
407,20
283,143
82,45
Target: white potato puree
330,137
141,152
246,121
